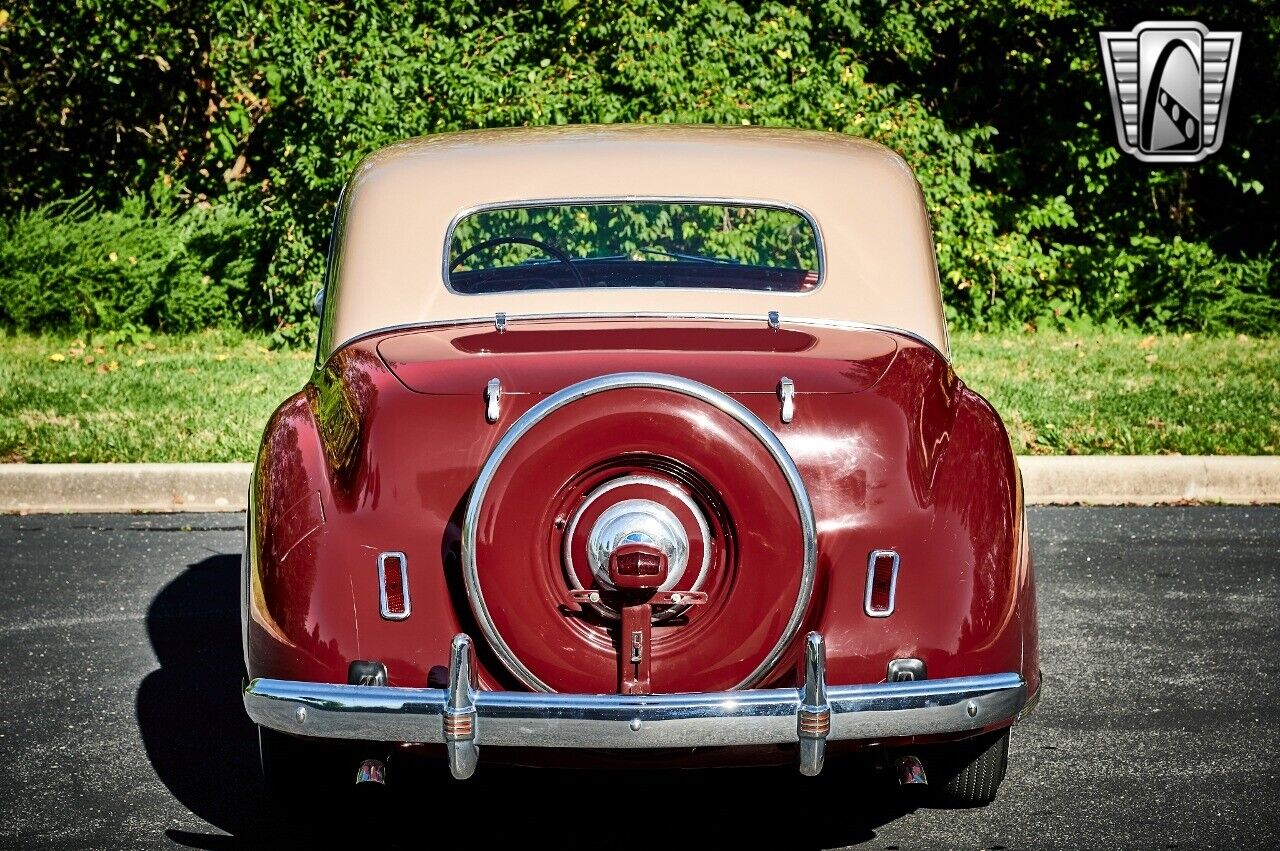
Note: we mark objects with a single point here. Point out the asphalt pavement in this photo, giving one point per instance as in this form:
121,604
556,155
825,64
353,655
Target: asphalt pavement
121,724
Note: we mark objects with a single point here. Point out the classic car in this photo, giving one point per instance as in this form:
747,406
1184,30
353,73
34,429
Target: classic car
637,446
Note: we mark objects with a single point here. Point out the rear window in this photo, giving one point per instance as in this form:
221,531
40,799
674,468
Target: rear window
634,244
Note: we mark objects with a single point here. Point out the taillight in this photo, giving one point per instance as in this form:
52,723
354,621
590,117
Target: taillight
882,582
393,586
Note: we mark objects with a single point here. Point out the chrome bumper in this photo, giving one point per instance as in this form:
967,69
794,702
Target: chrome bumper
462,716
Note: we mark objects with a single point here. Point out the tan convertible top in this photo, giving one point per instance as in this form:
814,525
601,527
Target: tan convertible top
878,263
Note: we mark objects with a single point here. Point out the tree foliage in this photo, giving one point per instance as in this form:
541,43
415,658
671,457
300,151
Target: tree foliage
263,110
650,232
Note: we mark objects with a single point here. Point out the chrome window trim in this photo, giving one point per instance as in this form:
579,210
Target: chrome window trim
893,584
729,201
382,586
620,381
846,324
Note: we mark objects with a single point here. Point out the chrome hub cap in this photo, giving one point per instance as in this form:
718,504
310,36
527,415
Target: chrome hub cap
601,527
638,521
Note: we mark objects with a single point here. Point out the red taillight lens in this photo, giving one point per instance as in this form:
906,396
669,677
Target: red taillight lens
882,579
393,586
637,566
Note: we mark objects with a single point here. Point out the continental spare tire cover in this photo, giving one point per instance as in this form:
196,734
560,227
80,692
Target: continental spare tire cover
667,450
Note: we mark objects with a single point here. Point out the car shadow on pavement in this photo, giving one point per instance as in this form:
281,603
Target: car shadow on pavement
193,726
204,748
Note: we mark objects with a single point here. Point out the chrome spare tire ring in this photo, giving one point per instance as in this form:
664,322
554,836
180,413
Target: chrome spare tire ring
622,381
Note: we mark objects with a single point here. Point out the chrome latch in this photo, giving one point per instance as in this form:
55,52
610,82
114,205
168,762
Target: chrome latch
493,399
774,319
787,394
500,322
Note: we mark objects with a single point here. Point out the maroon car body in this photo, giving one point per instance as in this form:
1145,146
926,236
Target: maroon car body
419,570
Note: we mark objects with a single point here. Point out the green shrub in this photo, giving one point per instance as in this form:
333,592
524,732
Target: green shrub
70,265
1000,108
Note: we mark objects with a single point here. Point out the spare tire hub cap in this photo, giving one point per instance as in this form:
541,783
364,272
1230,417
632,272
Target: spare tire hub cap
638,521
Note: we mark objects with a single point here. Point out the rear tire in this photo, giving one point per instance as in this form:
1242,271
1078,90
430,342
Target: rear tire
968,773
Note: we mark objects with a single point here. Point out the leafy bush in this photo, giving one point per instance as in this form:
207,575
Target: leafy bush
69,265
643,231
1000,108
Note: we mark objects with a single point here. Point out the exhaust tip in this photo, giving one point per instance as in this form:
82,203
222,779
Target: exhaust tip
911,772
372,771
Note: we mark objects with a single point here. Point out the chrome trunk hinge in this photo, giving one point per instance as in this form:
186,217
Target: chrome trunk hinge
492,400
787,395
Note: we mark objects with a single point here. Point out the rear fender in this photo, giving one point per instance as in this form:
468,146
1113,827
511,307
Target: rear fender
295,624
936,482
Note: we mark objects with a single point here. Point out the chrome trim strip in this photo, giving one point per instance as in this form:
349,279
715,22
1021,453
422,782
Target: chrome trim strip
893,584
643,199
619,381
847,324
712,719
404,584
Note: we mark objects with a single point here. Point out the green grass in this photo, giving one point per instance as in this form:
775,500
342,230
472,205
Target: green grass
1126,393
205,397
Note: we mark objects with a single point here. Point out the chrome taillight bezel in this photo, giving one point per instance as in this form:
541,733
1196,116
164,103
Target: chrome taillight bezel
867,606
383,605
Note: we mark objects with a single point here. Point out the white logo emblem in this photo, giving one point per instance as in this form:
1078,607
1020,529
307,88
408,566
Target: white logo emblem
1170,85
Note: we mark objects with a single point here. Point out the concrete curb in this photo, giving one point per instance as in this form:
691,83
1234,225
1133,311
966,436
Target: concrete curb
58,488
1150,479
1048,479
